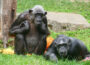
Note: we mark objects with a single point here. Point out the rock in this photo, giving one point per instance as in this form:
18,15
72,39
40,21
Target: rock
66,21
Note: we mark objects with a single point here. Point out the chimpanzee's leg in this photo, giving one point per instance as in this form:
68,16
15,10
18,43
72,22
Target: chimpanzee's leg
20,44
42,45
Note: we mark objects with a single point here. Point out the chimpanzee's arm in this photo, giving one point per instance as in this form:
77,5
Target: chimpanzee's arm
23,27
51,53
44,27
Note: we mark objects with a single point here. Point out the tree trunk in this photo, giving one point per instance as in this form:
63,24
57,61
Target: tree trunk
0,15
8,16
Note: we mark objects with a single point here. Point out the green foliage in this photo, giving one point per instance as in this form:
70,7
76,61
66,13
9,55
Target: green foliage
57,6
10,40
34,60
1,42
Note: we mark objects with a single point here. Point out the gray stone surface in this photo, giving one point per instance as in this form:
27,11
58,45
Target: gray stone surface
66,21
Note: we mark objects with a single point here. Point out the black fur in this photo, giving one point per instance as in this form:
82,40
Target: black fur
19,31
30,30
66,47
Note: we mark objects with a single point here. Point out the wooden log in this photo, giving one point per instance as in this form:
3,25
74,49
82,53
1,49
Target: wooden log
8,16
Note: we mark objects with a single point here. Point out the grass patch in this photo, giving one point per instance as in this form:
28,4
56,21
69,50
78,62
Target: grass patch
83,35
34,60
57,6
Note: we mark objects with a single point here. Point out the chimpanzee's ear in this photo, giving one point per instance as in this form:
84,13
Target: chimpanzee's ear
45,13
30,10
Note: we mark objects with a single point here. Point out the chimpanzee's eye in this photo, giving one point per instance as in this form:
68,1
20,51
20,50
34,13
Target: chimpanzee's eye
39,14
36,14
65,45
59,45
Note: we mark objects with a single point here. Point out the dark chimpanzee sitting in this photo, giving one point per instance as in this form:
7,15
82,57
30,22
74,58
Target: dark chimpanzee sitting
30,30
19,29
36,38
66,47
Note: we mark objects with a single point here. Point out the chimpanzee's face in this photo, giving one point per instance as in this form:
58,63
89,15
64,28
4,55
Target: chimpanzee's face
62,45
38,16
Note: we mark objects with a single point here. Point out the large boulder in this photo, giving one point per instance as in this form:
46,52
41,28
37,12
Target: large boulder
66,21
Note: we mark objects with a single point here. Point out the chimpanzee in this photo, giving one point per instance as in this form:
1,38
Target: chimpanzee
30,30
19,29
66,47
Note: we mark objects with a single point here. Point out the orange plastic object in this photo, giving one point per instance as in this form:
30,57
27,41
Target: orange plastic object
49,41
